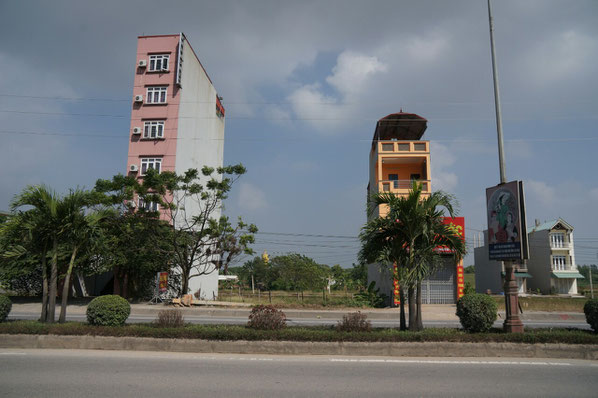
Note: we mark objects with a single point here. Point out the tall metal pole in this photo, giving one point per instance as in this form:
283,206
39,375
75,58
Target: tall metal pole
591,284
501,157
513,323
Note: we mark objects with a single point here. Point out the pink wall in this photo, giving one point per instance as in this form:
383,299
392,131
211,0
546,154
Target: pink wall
138,146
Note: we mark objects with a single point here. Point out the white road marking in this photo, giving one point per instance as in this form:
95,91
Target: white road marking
435,361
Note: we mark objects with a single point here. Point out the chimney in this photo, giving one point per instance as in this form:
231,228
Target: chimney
537,222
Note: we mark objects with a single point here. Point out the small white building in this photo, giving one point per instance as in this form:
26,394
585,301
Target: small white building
550,269
552,258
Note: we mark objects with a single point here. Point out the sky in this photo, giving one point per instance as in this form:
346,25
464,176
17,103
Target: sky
303,84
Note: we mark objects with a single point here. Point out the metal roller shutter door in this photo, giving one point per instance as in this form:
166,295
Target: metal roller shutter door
440,288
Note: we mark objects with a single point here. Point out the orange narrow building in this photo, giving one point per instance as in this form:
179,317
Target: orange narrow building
398,157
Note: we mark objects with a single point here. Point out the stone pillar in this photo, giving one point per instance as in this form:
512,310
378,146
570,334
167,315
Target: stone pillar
512,322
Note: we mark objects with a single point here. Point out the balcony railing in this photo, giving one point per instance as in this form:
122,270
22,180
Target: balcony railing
561,245
403,146
402,186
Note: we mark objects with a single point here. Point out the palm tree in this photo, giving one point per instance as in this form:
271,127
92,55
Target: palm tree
80,231
43,225
409,236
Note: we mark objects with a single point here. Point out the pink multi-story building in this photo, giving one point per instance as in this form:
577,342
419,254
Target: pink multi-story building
177,120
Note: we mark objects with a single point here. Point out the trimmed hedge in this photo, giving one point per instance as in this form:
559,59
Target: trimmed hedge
309,334
591,311
5,307
477,312
110,310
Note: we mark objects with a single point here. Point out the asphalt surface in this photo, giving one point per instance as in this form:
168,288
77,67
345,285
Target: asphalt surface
433,315
76,373
211,320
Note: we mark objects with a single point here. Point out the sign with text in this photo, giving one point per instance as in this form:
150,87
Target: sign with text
507,230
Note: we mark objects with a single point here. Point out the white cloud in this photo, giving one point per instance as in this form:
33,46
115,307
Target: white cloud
444,181
350,78
442,158
426,49
352,72
561,57
518,149
540,192
251,197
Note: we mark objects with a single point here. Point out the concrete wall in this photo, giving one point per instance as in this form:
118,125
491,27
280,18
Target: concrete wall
487,273
200,142
538,264
382,275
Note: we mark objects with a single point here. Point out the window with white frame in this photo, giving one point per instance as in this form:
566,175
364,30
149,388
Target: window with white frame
150,163
153,129
557,240
158,62
156,95
558,263
148,206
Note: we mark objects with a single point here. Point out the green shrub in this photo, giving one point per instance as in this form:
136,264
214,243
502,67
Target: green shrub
591,311
371,297
5,307
266,317
108,310
354,322
171,318
468,289
476,312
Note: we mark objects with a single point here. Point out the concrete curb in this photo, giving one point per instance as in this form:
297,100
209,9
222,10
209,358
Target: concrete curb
405,349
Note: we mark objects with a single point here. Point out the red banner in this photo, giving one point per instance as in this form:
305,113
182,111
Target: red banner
162,282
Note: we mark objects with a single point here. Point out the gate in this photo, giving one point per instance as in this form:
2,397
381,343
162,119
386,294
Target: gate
439,288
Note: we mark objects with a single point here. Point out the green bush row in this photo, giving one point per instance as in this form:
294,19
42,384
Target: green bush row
318,334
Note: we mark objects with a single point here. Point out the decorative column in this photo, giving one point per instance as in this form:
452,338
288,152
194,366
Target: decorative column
512,322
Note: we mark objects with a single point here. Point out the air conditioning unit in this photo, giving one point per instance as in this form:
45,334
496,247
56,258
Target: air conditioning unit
136,130
142,63
139,98
133,168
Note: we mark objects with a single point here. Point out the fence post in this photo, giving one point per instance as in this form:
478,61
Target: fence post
270,296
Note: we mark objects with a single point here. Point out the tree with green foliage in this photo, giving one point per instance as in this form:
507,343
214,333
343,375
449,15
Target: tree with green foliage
41,226
298,272
339,276
358,276
46,226
257,274
201,241
82,231
470,269
409,236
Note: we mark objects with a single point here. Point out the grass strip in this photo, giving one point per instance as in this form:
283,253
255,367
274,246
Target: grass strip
307,334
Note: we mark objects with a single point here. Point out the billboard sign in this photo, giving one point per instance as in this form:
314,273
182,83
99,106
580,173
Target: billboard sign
507,230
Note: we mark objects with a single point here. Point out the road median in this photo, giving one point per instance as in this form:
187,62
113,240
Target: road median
392,349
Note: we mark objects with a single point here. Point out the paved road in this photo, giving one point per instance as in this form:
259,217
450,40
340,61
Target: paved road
76,373
230,320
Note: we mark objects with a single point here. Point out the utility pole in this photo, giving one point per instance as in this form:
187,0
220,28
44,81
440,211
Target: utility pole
591,284
512,322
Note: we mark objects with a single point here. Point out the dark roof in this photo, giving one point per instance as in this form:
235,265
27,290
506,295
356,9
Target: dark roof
400,126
